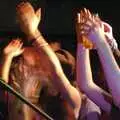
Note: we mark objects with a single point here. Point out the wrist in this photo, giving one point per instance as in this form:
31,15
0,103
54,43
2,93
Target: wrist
8,56
96,36
80,46
38,40
102,46
34,35
81,49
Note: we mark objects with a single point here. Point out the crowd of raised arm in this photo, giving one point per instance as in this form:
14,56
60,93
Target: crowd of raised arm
94,29
37,73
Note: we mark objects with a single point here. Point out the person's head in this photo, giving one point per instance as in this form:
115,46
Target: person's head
55,45
67,62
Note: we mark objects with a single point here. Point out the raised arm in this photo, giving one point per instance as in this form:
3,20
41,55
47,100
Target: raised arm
12,50
110,67
85,80
49,59
84,76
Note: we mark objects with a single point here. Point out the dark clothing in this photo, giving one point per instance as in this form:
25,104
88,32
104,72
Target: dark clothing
115,112
56,107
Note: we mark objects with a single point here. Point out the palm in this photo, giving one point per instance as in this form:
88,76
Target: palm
28,19
13,48
90,25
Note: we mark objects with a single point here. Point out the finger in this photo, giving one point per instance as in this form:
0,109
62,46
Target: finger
81,17
102,26
38,14
93,21
78,18
98,20
97,17
85,12
19,5
21,51
25,7
11,42
107,27
89,13
89,23
16,42
20,45
85,15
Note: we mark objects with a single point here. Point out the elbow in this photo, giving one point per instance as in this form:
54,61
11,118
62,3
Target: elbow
74,99
77,104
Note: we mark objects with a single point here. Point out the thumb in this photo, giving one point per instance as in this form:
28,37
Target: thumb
22,50
38,14
107,27
78,18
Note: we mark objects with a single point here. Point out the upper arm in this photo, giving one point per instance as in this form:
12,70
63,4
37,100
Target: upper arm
69,92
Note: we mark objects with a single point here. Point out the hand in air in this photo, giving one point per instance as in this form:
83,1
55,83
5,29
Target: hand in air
14,48
28,18
91,23
90,26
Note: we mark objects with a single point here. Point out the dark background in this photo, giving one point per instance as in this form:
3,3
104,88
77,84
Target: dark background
58,18
58,22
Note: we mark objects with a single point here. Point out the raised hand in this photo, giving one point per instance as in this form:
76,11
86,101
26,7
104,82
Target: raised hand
90,23
14,48
28,18
90,26
84,26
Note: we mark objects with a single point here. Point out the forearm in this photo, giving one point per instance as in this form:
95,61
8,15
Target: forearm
47,53
111,69
106,56
85,82
6,68
59,79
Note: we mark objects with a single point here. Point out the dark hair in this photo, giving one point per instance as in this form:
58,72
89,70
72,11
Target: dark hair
67,62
